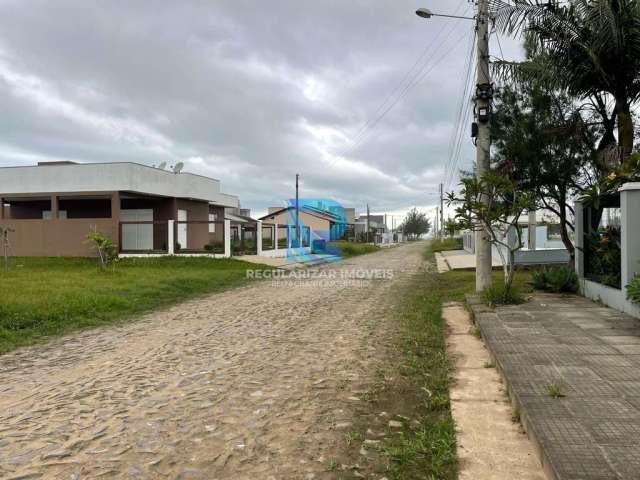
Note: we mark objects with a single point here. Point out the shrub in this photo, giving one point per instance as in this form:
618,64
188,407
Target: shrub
105,248
446,244
633,290
499,294
559,279
214,247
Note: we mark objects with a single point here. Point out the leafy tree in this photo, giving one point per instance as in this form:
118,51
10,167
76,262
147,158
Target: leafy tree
588,48
498,216
415,224
544,144
451,226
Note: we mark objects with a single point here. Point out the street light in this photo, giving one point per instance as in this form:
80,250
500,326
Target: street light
426,13
482,130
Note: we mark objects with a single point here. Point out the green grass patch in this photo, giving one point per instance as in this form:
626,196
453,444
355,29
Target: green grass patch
445,244
43,297
498,294
352,249
428,449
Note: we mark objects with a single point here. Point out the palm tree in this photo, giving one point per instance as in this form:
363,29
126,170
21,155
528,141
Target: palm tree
585,47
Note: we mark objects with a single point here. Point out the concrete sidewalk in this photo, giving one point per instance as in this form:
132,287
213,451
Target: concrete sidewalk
463,260
588,354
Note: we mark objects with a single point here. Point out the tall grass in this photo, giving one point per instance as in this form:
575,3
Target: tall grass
351,249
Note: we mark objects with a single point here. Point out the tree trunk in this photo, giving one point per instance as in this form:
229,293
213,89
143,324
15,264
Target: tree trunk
625,128
511,270
564,234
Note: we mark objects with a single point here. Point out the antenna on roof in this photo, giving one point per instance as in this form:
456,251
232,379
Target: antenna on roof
178,168
162,165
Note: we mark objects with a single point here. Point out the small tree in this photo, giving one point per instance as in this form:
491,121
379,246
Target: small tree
497,217
4,238
450,226
104,246
415,224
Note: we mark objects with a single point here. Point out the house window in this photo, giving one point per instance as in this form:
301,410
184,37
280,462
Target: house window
46,214
212,226
553,232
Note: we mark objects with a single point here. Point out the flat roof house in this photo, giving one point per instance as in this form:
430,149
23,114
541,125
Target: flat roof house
51,208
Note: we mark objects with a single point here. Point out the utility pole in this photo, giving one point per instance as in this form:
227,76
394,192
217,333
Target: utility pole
442,210
484,96
368,215
297,212
436,228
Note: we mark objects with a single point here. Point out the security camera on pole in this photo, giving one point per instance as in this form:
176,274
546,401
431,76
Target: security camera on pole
483,100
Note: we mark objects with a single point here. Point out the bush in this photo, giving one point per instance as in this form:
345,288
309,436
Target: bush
214,247
105,247
633,290
446,244
556,280
498,294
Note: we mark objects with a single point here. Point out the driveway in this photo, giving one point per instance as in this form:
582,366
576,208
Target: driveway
257,383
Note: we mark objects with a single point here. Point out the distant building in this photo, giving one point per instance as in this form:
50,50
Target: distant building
52,207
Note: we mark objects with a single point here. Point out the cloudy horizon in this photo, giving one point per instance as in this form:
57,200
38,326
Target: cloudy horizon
246,95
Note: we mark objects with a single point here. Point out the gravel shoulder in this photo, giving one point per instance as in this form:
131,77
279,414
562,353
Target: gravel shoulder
253,383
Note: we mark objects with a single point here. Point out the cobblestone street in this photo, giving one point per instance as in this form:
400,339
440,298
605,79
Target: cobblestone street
255,383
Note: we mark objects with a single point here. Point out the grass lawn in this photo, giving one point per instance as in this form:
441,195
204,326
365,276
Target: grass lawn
446,244
52,296
428,451
351,249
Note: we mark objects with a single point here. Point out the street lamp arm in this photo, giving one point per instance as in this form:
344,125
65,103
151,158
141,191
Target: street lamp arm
426,13
452,16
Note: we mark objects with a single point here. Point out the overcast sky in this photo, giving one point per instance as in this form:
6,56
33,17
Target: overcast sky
249,92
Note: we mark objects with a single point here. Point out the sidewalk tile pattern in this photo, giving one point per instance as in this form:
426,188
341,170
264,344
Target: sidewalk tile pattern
592,353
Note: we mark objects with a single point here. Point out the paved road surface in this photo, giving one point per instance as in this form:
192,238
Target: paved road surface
254,383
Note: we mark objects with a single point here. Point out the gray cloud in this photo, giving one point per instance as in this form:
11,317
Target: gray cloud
245,91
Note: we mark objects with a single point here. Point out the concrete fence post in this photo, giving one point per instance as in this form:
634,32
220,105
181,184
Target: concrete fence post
259,237
630,222
579,239
170,238
276,238
227,238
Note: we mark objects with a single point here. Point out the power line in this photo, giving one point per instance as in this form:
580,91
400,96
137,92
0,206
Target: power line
409,81
418,79
409,72
463,117
456,132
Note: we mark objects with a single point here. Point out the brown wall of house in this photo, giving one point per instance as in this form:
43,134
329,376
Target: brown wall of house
197,233
53,238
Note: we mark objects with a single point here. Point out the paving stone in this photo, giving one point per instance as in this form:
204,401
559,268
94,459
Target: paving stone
624,460
619,360
593,354
615,432
583,462
626,388
602,408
